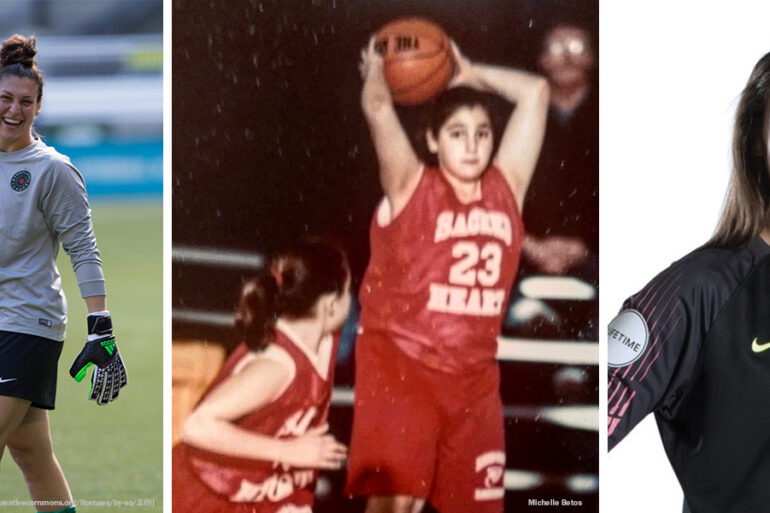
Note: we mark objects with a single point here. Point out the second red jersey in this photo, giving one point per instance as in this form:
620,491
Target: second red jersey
440,272
304,404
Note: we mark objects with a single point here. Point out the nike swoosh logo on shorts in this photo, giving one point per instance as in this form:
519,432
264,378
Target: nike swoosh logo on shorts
758,348
7,380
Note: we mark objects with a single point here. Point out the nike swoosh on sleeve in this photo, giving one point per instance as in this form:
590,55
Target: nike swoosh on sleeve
758,348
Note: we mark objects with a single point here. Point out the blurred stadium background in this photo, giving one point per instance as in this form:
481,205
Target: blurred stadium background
102,106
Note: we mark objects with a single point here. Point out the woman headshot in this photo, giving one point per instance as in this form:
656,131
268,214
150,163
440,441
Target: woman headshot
43,204
691,344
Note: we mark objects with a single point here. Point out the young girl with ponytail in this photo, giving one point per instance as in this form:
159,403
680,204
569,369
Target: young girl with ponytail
256,440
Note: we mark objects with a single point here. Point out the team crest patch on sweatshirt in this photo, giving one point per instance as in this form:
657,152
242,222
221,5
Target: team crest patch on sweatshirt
21,180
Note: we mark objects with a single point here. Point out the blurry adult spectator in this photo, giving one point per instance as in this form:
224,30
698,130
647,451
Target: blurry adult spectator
562,206
561,209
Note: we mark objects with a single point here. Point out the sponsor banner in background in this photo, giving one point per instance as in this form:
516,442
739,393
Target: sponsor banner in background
118,167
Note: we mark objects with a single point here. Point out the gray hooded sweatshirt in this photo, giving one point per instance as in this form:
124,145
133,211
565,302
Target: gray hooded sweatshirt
43,202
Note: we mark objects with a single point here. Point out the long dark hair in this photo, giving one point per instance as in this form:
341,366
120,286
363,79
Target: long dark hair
289,287
17,58
748,195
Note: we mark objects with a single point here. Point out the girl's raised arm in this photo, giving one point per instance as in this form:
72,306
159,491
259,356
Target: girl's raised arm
399,166
523,134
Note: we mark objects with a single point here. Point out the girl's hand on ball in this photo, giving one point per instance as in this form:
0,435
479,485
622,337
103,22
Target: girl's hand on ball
465,74
370,60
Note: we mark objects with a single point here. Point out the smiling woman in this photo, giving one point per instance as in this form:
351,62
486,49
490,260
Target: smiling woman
19,108
41,188
21,90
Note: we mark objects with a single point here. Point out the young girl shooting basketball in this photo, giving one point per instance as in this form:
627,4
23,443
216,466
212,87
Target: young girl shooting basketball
445,243
256,440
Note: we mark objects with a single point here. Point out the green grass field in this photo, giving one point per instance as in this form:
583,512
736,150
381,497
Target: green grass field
115,452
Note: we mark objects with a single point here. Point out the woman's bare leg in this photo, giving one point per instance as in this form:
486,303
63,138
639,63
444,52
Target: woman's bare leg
32,450
12,412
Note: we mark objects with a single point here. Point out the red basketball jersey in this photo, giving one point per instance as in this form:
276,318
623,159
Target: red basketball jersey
268,486
440,272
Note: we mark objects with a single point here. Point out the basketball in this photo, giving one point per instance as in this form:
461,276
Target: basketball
417,59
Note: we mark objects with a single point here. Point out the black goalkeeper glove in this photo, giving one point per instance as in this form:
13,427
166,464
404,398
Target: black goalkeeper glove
109,376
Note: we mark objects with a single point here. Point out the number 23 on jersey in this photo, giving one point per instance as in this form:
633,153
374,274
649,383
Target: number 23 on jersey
473,265
475,268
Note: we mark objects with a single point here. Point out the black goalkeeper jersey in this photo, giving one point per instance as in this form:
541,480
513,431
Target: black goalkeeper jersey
693,346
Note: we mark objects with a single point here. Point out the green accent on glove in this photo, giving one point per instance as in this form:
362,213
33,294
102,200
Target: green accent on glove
109,345
82,372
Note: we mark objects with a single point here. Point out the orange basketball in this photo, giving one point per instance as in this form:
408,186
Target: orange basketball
417,58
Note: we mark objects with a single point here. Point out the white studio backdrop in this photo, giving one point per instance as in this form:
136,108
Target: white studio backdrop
671,75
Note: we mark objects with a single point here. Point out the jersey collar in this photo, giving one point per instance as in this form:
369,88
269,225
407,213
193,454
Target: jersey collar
320,360
759,246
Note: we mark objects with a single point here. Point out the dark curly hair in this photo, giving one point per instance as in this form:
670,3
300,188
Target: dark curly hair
17,58
440,109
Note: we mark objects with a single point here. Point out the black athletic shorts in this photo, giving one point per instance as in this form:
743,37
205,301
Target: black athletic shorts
28,368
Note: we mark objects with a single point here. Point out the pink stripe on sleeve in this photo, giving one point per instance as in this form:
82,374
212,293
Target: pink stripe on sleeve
615,420
655,343
613,423
617,403
625,406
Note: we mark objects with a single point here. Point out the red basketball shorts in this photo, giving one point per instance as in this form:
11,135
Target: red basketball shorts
425,433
